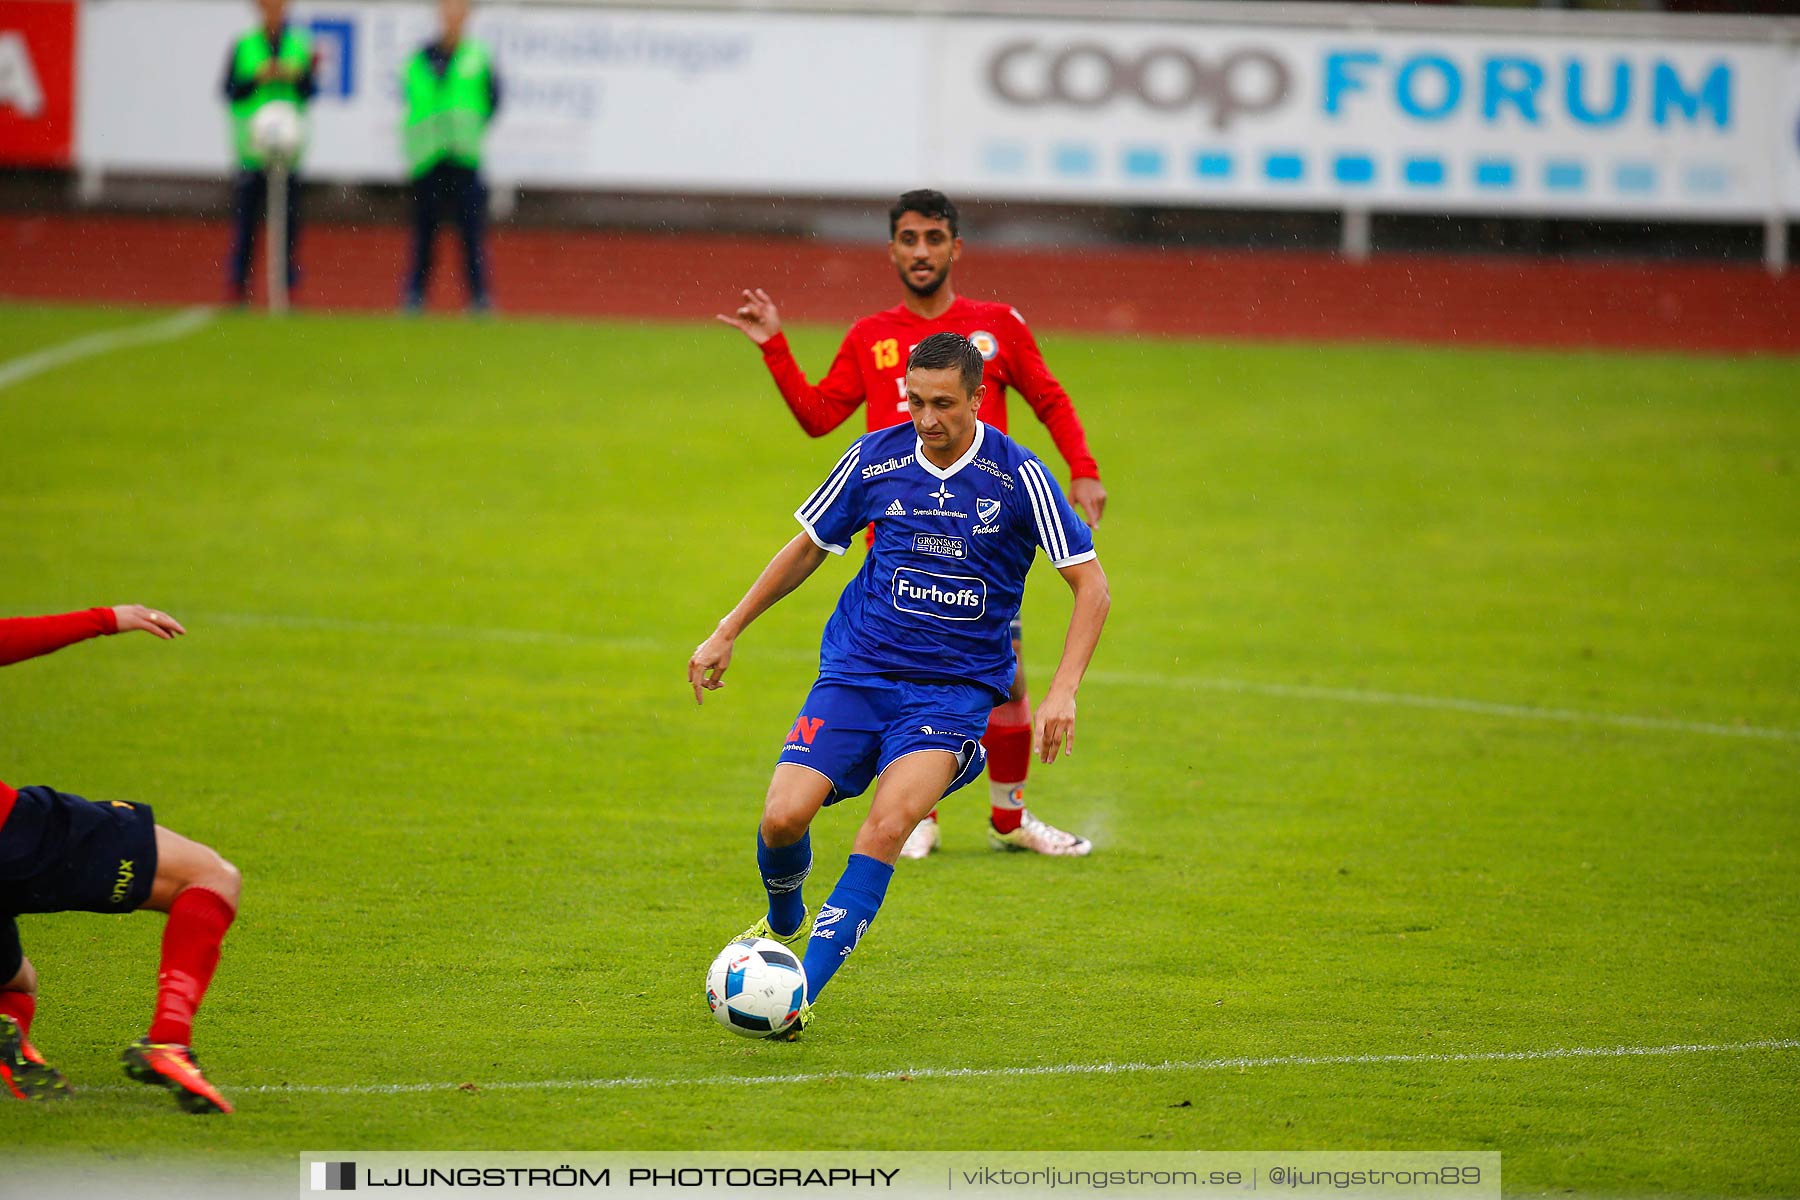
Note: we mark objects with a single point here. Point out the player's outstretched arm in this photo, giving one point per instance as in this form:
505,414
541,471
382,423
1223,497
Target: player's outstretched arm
29,637
819,409
757,317
1054,730
790,567
150,620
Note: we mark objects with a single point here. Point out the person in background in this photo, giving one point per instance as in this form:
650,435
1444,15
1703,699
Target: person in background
452,93
272,62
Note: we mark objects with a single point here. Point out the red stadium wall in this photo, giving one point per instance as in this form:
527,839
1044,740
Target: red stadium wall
1279,295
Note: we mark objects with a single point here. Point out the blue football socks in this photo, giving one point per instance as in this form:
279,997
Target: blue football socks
784,869
843,919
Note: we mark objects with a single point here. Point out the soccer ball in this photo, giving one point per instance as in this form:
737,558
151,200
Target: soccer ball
277,130
756,987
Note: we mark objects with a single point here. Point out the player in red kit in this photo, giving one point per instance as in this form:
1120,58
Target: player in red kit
60,853
870,373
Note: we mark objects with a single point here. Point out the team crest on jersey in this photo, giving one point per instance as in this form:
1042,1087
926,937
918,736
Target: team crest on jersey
987,516
987,343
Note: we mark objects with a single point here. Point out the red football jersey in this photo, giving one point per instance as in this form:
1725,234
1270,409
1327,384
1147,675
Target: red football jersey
27,637
870,372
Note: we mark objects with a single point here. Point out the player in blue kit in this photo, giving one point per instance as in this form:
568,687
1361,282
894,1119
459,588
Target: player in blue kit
919,649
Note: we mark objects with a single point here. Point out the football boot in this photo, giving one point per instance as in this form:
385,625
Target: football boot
1038,837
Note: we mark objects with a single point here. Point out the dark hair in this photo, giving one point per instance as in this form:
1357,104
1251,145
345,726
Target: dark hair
932,205
942,350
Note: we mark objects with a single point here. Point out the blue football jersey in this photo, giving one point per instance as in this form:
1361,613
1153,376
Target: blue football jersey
938,592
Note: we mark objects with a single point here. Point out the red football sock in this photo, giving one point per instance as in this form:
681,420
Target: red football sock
21,1007
190,953
1009,759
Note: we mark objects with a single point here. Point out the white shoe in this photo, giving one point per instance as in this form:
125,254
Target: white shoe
1039,838
922,840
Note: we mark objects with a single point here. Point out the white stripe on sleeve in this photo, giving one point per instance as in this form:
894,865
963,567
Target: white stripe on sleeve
1043,504
818,541
820,501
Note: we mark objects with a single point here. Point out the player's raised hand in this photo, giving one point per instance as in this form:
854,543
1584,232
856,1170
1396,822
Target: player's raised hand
706,669
150,620
1089,498
1054,730
757,317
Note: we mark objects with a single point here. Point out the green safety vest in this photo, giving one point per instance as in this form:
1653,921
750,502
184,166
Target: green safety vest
252,52
446,116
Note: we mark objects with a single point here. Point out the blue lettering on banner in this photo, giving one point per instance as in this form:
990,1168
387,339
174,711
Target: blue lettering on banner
1513,81
1707,180
1449,87
1494,173
334,41
1073,159
946,597
1576,94
1340,78
1209,164
1143,162
1593,93
1563,175
622,43
1713,94
1284,168
1635,177
1424,172
1354,169
1004,158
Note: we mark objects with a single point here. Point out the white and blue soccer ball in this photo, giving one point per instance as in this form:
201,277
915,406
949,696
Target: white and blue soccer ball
756,987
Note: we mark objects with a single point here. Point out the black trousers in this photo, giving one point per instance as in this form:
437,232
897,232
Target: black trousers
460,189
249,203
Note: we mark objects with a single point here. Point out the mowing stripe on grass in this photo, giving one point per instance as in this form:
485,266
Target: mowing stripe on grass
167,329
514,637
1290,691
1484,708
1204,1064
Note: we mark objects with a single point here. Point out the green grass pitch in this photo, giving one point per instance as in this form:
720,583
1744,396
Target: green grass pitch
442,578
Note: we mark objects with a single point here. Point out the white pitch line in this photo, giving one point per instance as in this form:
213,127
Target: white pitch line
1205,1064
467,633
1484,708
166,329
1289,691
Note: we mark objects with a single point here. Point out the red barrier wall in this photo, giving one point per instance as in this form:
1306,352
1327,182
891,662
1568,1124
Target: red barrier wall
1279,295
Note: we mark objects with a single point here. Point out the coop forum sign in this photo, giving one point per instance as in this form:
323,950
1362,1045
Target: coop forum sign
1317,118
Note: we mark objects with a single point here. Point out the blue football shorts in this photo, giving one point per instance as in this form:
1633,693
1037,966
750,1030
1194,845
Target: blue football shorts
850,732
61,853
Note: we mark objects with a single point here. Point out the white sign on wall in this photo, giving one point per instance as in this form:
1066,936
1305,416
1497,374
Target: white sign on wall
1188,114
1104,112
1787,139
